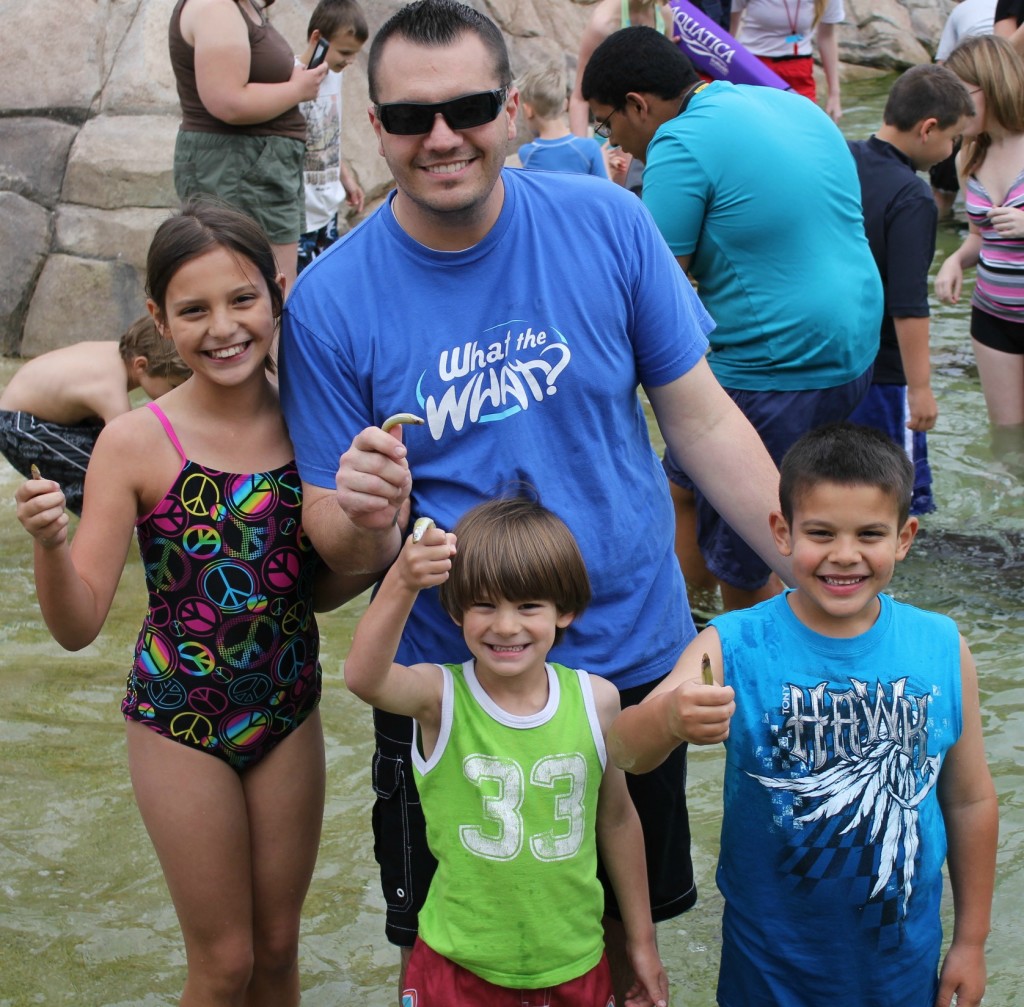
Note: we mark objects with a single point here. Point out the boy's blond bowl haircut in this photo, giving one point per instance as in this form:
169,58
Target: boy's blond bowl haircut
515,548
544,88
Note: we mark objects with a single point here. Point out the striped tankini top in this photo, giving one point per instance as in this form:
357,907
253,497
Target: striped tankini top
999,288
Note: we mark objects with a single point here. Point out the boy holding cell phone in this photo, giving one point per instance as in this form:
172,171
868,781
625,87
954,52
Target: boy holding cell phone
337,31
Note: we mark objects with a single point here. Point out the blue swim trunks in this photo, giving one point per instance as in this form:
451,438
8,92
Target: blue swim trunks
885,408
61,452
780,418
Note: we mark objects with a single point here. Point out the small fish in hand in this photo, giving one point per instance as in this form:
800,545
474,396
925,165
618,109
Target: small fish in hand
403,419
421,527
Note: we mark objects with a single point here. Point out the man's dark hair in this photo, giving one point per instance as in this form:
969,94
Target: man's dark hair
848,455
636,59
927,92
439,23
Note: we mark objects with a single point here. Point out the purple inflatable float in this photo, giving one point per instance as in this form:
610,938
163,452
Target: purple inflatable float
715,52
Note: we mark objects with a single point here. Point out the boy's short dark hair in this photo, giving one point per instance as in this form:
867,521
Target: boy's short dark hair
439,23
848,455
515,548
331,16
636,59
927,92
143,339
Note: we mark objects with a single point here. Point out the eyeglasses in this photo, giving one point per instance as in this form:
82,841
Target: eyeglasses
604,129
409,118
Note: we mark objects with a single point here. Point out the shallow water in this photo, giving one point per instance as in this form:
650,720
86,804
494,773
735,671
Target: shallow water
84,914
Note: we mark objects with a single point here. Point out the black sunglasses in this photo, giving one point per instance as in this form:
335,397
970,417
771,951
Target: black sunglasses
408,118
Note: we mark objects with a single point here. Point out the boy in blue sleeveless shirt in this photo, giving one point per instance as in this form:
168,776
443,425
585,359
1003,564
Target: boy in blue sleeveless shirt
509,756
855,762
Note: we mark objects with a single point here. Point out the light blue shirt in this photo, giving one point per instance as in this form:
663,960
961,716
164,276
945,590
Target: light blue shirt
758,187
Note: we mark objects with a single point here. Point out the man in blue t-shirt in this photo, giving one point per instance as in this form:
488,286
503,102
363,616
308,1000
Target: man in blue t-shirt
756,193
516,313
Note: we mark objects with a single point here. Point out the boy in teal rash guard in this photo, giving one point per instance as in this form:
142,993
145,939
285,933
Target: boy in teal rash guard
855,762
510,763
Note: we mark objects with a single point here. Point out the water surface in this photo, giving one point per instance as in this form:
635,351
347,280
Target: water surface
84,914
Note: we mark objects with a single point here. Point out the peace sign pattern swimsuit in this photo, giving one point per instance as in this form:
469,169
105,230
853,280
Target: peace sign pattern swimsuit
226,661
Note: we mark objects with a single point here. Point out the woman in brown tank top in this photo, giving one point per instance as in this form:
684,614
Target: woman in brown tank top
242,137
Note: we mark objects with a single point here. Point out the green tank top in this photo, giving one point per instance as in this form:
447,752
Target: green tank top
659,21
511,810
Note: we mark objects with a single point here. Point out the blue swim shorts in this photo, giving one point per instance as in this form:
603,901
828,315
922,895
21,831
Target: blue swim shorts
780,418
885,408
61,452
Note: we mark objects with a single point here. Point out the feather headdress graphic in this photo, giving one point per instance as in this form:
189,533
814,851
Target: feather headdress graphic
878,790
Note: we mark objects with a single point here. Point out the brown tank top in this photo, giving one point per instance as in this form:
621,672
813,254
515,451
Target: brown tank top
271,62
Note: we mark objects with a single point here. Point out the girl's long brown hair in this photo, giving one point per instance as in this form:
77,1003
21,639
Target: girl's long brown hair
991,63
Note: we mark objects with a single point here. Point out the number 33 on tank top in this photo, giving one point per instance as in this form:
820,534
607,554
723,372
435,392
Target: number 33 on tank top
503,810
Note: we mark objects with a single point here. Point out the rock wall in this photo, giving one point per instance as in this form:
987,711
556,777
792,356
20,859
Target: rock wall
86,142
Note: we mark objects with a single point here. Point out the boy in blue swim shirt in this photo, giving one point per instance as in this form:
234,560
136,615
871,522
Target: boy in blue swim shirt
855,762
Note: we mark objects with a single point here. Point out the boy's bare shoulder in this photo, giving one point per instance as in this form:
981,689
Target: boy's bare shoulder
606,700
73,384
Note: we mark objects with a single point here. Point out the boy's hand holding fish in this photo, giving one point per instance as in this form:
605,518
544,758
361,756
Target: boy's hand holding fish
691,704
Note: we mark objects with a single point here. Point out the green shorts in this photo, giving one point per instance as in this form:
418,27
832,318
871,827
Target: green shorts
261,175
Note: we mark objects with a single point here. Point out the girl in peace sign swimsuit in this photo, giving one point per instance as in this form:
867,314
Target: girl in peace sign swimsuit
225,747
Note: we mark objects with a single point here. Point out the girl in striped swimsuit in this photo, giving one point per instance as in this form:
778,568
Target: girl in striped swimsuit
991,167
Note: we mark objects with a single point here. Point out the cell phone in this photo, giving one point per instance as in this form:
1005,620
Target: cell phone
318,53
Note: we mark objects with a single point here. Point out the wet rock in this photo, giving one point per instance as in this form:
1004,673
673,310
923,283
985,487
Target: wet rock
92,137
24,240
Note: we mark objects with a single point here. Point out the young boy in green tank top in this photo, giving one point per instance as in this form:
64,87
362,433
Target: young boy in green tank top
509,757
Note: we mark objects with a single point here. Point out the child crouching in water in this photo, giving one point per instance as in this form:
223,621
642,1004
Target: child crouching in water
509,757
855,763
225,748
53,409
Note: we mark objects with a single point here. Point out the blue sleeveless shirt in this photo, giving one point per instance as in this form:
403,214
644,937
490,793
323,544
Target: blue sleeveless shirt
832,836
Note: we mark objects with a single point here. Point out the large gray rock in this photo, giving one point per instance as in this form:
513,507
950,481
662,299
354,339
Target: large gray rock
51,57
140,81
880,33
34,156
92,233
24,240
122,160
91,138
77,299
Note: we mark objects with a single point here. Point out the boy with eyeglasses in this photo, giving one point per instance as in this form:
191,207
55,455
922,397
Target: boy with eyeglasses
468,299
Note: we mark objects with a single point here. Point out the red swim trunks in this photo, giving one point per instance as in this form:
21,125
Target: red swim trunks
434,981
